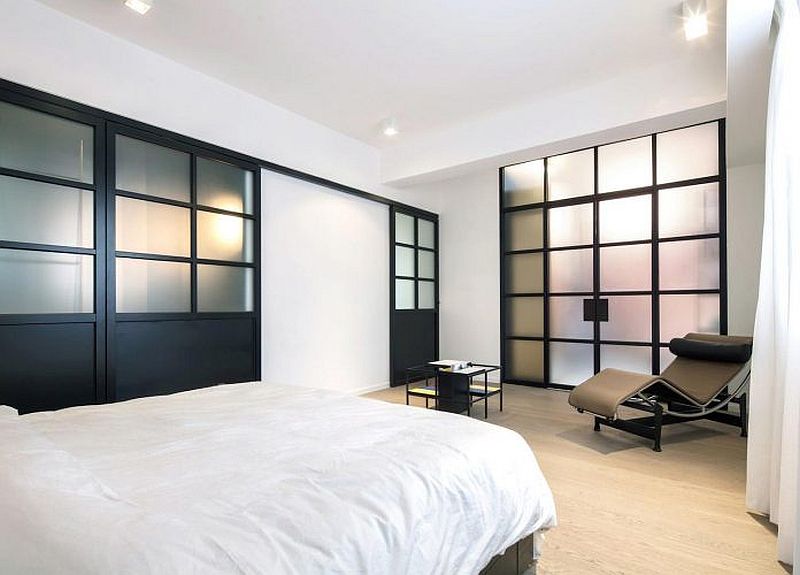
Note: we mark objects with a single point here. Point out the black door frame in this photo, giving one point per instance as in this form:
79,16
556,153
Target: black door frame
596,294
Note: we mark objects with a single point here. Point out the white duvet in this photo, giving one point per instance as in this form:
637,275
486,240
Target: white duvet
261,478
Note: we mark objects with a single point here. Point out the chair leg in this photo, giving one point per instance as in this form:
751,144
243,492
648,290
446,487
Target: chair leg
597,424
657,423
743,414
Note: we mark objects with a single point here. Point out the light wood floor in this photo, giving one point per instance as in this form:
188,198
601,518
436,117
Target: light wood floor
623,508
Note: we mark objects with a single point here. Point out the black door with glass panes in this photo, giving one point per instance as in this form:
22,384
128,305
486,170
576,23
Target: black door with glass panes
414,314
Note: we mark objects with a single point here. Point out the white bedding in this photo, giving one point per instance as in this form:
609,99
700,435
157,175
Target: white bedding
262,478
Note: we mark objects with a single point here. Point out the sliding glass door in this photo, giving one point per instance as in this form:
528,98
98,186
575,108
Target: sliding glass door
182,259
52,267
129,259
610,252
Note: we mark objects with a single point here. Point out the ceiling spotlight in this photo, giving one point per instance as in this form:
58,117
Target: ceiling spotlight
389,127
695,19
138,6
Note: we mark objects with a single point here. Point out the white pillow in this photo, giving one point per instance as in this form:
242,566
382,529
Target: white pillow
6,411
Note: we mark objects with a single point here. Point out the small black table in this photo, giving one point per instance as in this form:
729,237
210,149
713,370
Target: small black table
453,390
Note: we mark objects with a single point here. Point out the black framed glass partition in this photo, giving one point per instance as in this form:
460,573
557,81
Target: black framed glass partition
414,301
52,295
185,263
609,252
129,260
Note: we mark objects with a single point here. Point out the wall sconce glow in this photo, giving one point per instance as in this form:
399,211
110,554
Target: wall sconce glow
389,127
138,6
695,19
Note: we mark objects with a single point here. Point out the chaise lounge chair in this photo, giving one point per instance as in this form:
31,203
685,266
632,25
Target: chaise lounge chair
709,372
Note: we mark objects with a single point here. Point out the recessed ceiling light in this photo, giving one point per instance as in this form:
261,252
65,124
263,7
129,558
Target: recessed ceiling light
695,19
138,6
389,127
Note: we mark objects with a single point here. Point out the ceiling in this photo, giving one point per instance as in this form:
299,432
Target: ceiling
349,64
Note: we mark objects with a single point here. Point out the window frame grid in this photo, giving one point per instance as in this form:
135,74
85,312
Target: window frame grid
654,241
193,259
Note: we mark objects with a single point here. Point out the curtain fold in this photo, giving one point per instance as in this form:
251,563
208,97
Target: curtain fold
773,453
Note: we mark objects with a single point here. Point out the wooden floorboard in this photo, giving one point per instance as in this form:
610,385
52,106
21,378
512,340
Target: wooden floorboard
624,509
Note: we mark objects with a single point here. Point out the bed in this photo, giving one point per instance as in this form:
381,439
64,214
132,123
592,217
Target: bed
262,478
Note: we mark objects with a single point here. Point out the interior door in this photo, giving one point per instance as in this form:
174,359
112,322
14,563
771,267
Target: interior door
414,270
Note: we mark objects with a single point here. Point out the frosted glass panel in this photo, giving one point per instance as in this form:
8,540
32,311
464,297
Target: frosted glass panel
571,225
403,261
688,211
404,229
571,271
625,268
692,264
524,273
224,289
427,267
626,219
154,170
570,175
688,153
224,237
427,295
224,186
629,319
571,363
151,228
625,165
523,230
627,357
523,183
525,316
404,294
566,319
45,214
40,143
40,282
426,236
681,314
524,360
148,286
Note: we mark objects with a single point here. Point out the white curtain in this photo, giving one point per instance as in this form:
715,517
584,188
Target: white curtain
773,451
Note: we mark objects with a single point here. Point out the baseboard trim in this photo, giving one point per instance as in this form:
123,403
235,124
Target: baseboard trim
370,388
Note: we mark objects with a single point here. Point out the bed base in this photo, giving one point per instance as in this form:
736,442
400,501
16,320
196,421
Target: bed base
676,412
516,560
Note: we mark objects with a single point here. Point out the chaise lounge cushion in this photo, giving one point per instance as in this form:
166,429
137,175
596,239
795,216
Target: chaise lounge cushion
602,393
732,352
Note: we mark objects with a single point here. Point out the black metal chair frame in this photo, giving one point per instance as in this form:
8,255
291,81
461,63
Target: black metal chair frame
678,410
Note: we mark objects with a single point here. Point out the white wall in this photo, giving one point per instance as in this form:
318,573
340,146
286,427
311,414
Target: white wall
325,294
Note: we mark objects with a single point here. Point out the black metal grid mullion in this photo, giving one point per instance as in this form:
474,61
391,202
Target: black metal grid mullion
655,314
194,273
596,258
54,180
546,277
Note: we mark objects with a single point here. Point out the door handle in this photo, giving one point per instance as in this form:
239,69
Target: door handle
595,310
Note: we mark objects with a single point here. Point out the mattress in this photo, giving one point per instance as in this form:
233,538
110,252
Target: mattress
262,478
